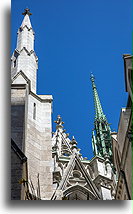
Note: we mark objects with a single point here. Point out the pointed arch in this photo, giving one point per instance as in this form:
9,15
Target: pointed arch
78,192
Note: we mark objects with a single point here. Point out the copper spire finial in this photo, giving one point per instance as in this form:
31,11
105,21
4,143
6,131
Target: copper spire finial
27,11
92,78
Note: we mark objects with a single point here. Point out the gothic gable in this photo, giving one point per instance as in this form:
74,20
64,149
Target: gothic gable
20,78
76,181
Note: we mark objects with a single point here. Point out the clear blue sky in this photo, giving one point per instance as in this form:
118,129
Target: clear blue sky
73,38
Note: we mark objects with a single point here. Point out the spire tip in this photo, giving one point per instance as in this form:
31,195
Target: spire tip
27,12
92,77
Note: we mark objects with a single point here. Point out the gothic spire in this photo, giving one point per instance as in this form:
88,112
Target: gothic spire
26,20
24,58
98,108
25,33
101,136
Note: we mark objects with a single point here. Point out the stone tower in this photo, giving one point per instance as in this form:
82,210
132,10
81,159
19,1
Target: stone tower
24,57
30,114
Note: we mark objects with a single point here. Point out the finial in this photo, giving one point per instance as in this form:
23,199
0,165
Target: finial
73,138
59,120
73,141
67,135
92,77
73,144
27,12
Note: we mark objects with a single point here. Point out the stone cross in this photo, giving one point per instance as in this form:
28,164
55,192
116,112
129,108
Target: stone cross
27,11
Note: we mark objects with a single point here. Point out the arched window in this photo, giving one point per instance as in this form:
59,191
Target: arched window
78,192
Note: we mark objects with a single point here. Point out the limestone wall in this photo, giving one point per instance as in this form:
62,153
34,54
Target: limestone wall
28,64
38,145
123,126
17,116
25,39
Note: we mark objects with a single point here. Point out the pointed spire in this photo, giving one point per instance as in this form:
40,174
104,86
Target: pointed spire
25,33
98,107
26,22
24,58
101,135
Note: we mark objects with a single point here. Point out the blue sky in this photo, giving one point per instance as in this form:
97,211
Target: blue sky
72,39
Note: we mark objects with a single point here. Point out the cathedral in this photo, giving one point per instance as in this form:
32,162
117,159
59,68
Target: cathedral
45,163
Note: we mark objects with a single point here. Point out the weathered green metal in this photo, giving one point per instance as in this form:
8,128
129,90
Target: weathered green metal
101,135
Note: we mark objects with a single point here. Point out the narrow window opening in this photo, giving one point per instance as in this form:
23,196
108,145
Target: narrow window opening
14,63
103,126
34,111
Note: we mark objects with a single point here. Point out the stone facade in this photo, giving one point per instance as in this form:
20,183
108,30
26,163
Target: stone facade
122,141
38,141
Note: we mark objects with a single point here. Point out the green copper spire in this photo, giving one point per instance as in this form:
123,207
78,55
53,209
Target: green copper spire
101,135
98,107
